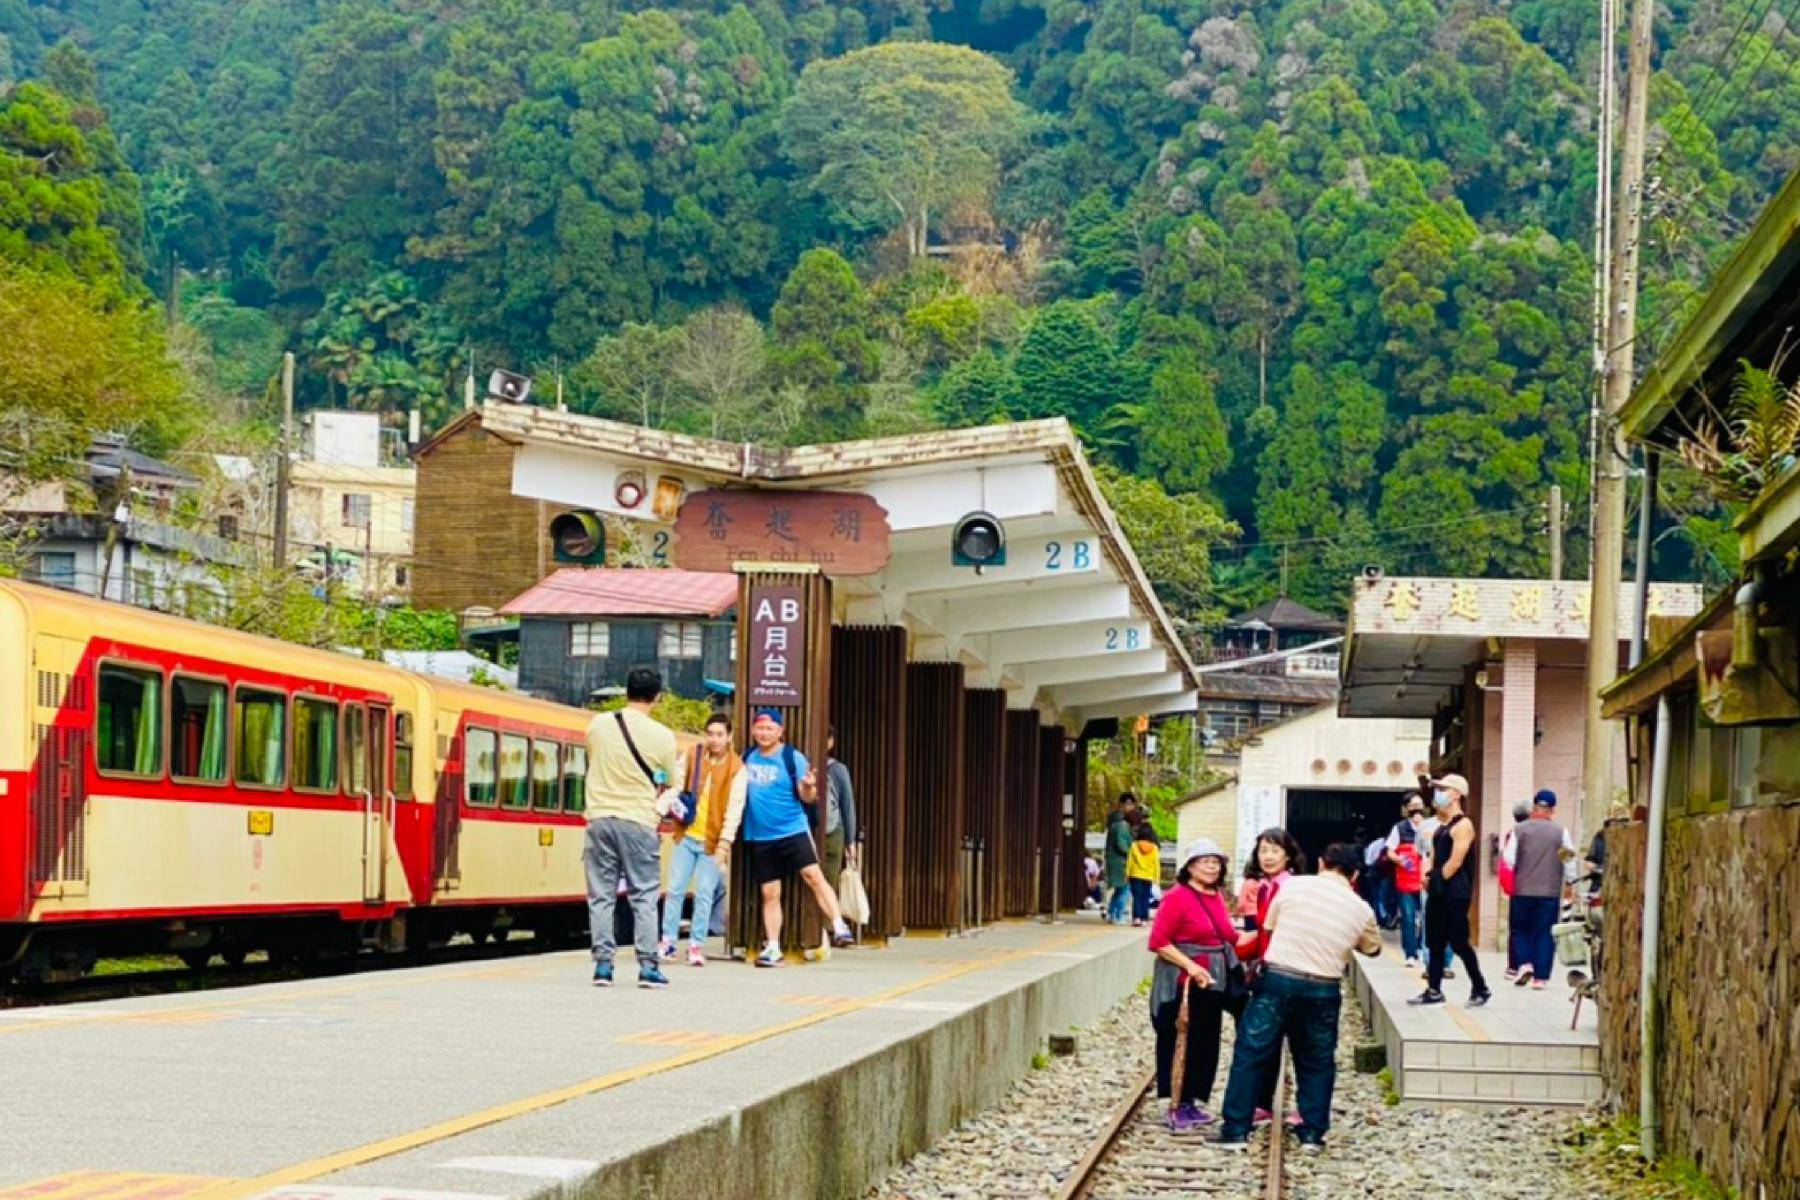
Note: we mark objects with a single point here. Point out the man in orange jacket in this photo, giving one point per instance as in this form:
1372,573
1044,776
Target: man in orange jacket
712,802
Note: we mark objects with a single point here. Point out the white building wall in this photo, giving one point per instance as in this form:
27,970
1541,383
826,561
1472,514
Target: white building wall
1318,750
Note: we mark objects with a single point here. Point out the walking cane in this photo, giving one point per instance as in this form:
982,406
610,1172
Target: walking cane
1178,1067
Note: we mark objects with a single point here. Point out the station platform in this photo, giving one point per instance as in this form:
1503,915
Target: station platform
517,1078
1518,1049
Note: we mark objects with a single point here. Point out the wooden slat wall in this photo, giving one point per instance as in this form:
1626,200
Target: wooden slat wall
805,724
869,710
1051,776
984,791
934,795
1021,808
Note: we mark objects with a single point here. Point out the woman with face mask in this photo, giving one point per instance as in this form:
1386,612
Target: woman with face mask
1451,887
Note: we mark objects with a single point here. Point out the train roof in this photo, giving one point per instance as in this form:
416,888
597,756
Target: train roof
46,605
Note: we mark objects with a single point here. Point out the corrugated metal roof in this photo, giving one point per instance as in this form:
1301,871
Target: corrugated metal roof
628,592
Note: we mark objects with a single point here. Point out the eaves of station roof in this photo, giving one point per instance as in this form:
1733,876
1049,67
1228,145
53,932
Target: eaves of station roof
567,458
1752,305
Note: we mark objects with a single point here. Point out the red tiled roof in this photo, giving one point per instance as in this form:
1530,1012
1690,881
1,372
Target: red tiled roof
627,592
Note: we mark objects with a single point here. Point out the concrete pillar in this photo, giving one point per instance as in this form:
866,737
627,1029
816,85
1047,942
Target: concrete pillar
1515,780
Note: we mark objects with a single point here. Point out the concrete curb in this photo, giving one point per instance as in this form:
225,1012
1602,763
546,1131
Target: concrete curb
844,1131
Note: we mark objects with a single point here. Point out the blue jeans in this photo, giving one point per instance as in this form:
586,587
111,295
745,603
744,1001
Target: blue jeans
1409,924
690,863
1140,899
1306,1012
1530,941
1115,904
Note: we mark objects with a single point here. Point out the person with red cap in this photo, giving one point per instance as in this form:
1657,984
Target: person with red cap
778,831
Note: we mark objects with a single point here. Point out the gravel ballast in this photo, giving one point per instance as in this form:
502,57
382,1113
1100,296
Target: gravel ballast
1027,1145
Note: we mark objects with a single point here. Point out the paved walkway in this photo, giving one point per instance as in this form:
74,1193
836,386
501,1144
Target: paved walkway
488,1078
1517,1049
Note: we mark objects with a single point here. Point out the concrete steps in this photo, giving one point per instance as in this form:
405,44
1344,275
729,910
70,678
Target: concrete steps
1441,1072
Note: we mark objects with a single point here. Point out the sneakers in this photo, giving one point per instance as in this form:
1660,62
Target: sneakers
603,974
1187,1118
841,936
1449,972
696,956
1232,1144
1512,973
1294,1120
1311,1145
1429,996
1537,985
650,976
665,950
1521,977
1480,998
1413,963
770,957
1261,1116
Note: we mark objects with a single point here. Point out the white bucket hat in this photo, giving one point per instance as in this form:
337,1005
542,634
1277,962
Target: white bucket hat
1202,848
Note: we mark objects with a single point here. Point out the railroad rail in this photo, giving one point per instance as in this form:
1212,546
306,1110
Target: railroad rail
1135,1154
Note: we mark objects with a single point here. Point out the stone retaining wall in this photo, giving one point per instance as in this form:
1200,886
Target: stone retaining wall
1729,1054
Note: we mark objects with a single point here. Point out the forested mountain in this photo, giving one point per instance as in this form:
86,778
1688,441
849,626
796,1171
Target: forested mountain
1319,267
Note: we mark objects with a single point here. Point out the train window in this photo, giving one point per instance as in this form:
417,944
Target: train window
574,777
356,754
512,771
197,730
403,756
259,731
128,737
315,744
544,776
479,768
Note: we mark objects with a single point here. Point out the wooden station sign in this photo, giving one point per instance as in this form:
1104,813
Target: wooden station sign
841,533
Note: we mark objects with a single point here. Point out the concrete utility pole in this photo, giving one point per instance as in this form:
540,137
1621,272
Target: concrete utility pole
285,452
1556,533
1607,558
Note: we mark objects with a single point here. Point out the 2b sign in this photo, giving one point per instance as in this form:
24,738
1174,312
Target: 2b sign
777,651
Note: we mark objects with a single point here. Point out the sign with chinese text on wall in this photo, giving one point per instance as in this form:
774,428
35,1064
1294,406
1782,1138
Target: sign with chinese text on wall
1500,607
842,533
776,656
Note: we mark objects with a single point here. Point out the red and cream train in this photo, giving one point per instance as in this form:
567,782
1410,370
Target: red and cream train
171,787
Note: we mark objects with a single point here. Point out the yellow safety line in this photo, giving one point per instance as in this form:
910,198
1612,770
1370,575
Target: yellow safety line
1469,1024
401,1143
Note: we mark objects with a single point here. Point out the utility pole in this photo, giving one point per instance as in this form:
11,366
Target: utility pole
1556,533
1608,550
285,452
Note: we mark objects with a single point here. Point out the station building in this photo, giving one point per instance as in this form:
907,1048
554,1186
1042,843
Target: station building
1499,669
961,696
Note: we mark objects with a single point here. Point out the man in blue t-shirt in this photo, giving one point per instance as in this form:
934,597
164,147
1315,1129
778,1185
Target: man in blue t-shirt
778,831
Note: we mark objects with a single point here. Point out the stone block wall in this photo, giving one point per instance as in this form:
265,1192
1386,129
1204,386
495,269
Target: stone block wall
1728,1061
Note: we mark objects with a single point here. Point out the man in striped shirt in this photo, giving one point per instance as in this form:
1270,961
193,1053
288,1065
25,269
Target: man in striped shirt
1314,924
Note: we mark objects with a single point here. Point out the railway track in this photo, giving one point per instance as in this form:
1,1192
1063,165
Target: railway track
1136,1156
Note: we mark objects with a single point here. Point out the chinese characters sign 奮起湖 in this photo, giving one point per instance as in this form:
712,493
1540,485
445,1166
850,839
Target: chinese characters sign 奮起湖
776,655
842,533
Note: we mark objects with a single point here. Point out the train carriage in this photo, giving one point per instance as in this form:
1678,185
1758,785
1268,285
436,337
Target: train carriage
174,787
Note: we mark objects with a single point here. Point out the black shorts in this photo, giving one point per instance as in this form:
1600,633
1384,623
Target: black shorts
772,861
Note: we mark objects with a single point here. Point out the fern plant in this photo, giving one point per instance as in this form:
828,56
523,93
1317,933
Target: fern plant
1755,441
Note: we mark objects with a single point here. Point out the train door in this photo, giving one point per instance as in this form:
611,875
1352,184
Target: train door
62,719
378,811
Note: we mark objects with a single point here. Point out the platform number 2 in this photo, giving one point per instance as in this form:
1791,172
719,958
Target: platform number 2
1122,639
659,548
1079,556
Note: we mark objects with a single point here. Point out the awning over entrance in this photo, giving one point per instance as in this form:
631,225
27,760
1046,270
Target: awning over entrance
1069,625
1413,640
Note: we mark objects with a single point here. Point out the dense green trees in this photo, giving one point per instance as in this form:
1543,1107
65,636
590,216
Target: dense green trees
1316,270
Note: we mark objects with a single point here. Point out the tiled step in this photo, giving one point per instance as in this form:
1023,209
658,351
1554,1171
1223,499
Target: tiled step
1440,1085
1500,1056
